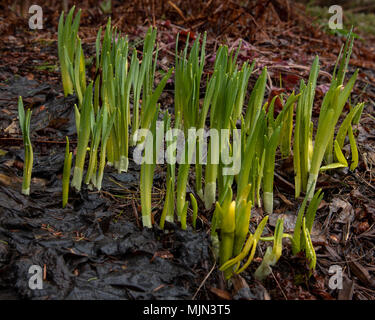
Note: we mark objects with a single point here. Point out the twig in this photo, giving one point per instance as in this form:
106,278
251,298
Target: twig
204,281
295,66
177,9
135,213
278,284
38,141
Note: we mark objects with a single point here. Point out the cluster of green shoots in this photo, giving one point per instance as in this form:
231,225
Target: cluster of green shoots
236,243
107,126
309,156
103,115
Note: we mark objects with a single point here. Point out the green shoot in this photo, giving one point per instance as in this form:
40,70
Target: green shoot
143,78
83,137
253,148
96,131
230,88
168,210
66,174
188,75
273,254
269,169
227,233
106,131
147,172
354,149
25,129
167,213
256,101
184,216
67,47
330,112
250,244
301,240
233,221
308,157
303,129
194,205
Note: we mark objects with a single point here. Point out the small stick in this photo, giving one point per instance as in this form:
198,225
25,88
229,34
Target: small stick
204,281
135,213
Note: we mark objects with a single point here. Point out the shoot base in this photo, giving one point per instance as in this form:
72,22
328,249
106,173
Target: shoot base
169,219
268,202
99,182
209,194
77,178
146,221
123,164
200,194
311,183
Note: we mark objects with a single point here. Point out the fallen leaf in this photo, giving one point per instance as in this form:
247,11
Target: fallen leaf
361,273
346,293
222,294
343,209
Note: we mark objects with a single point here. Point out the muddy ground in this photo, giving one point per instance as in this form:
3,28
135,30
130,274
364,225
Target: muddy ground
95,248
